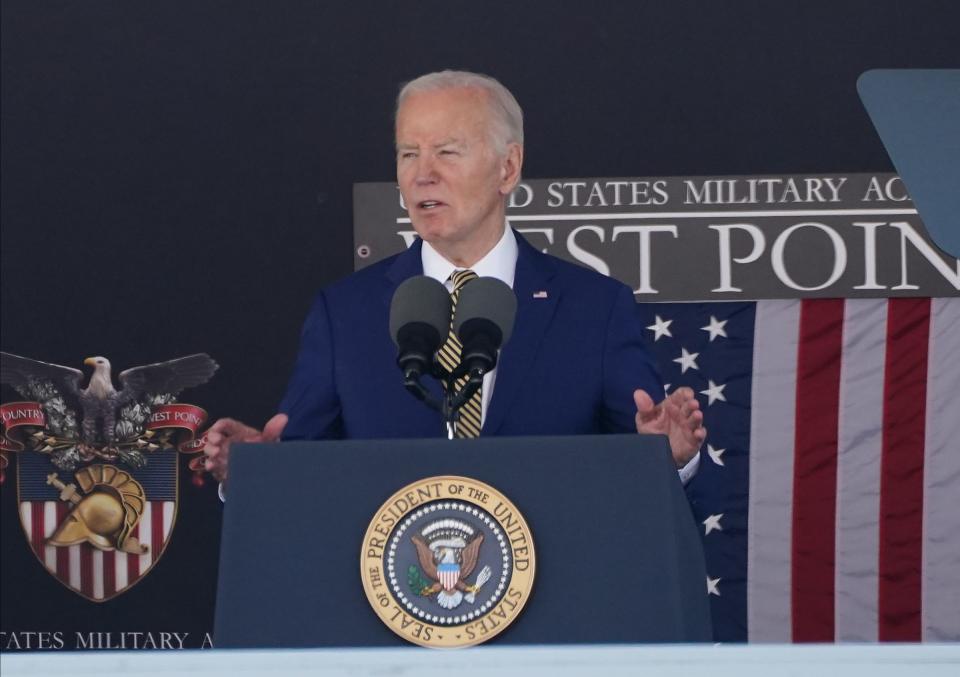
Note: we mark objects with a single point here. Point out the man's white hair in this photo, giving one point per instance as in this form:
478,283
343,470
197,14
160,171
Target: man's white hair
507,116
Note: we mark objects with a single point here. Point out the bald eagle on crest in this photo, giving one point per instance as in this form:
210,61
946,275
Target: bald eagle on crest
99,401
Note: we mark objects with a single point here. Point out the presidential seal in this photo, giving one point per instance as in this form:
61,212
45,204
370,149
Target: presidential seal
447,562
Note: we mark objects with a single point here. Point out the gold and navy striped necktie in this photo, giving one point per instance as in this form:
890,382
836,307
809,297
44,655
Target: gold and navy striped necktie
449,357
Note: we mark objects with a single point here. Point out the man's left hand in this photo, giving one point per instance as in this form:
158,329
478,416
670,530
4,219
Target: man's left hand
678,417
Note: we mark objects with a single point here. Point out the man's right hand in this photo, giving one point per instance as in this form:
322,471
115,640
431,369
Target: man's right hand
226,431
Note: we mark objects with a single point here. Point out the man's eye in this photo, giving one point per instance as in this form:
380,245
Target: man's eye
447,151
408,155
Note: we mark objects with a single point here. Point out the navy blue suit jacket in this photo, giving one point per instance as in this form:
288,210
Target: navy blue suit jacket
571,366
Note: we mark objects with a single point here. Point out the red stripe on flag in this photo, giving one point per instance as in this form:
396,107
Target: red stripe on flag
901,470
815,469
86,569
110,573
156,529
36,528
63,552
133,561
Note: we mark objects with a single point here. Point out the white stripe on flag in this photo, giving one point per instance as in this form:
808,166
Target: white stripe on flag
120,558
73,553
769,534
940,616
859,446
98,556
49,526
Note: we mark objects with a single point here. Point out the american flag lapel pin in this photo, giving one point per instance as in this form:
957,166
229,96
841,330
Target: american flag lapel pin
542,294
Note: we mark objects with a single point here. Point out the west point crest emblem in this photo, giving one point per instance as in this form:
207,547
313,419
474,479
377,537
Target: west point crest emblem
448,562
97,466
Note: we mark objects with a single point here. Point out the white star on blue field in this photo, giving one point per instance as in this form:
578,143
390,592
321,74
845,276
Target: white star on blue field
709,347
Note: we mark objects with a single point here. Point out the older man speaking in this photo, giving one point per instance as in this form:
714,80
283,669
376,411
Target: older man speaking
575,363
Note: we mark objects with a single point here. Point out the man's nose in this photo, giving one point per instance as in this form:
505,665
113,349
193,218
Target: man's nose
426,169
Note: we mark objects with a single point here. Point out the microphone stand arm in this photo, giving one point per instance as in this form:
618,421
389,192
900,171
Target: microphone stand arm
411,381
454,399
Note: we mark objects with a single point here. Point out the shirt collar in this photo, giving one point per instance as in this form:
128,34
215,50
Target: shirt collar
500,262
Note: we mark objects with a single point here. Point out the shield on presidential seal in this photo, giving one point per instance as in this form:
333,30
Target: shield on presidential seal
449,575
100,528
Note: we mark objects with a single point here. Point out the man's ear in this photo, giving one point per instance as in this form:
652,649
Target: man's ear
510,168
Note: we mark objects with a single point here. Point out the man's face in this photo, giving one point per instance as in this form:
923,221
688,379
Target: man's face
452,179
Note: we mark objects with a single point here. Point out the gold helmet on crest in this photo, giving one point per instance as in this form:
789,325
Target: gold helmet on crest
104,517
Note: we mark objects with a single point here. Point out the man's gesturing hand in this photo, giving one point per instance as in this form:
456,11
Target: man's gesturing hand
226,431
678,417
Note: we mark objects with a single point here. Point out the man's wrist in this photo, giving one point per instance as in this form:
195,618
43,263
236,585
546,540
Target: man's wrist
690,469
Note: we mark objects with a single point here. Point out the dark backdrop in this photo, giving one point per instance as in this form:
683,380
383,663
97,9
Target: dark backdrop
176,176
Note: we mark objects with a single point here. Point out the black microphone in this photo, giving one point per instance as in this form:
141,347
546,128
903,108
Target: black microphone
484,321
419,324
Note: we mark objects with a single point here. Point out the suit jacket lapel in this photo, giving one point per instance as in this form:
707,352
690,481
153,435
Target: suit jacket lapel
407,264
534,271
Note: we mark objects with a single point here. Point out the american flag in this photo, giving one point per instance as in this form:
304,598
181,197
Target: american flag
828,495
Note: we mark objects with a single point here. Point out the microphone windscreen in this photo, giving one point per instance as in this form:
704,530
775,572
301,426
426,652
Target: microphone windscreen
489,299
423,300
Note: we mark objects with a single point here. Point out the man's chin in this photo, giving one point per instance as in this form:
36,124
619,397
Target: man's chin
432,232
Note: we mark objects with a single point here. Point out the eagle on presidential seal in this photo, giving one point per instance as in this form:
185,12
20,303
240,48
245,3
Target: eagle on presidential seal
448,550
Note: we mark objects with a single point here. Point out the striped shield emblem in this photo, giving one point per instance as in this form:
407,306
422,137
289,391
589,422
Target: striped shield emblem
69,516
449,573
